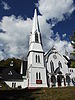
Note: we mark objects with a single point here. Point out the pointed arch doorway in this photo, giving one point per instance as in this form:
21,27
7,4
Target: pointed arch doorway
59,78
53,80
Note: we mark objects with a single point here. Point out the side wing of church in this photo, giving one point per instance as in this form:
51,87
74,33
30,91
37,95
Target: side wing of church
58,73
42,69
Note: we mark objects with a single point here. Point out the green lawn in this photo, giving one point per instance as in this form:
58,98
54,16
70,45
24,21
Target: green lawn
66,93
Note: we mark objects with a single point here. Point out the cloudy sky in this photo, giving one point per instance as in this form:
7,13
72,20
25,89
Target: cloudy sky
56,20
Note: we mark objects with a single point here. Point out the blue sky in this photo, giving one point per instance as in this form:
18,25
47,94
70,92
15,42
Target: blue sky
18,7
56,19
66,26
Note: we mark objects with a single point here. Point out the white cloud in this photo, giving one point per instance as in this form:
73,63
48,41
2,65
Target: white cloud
56,11
5,6
64,35
14,39
1,55
61,46
51,9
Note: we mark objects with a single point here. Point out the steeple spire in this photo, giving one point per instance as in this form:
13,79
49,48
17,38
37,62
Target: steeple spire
35,36
35,27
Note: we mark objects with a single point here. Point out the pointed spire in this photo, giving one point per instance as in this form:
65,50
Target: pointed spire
35,23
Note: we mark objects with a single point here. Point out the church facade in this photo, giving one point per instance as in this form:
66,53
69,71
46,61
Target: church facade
44,69
57,69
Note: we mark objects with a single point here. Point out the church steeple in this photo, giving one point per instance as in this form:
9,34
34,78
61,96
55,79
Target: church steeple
36,69
35,23
35,34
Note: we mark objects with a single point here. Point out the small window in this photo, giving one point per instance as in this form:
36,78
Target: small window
37,76
59,64
13,85
38,59
36,38
10,73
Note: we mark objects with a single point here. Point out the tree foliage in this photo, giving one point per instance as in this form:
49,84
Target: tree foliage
73,53
16,63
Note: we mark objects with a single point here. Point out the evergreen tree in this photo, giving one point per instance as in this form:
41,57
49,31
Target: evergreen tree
73,53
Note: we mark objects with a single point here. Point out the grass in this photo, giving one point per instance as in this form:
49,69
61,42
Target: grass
55,94
66,93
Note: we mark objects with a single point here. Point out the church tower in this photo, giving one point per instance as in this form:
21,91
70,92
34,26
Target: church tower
36,69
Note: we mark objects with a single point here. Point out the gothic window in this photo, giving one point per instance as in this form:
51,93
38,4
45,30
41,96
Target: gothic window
36,38
59,64
38,59
37,76
52,66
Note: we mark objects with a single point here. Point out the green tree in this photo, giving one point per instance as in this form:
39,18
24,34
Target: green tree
73,53
16,63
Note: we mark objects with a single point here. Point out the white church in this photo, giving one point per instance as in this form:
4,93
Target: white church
48,69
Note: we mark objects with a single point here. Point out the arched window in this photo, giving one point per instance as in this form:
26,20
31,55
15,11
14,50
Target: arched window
59,64
52,66
36,38
38,59
37,76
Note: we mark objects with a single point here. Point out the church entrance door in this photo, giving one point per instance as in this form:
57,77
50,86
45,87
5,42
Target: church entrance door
68,80
59,79
53,80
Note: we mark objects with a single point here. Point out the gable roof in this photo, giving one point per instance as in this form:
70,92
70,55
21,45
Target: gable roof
53,50
9,74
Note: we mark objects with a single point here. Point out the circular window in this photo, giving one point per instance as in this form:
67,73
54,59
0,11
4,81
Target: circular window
54,56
